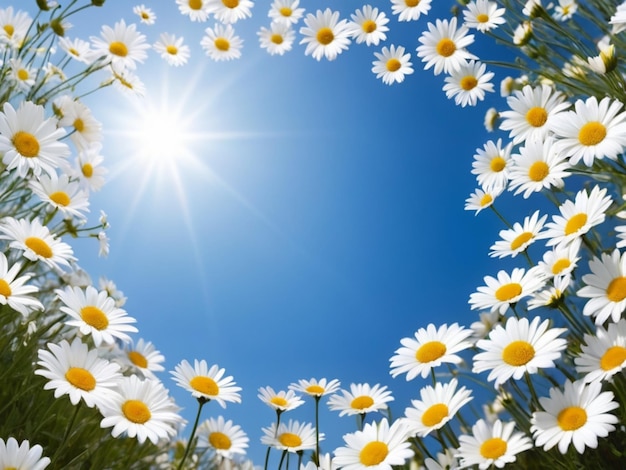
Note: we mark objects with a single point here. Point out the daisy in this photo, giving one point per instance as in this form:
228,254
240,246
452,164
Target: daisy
531,112
222,436
593,130
85,130
517,348
21,75
507,289
603,355
74,370
491,164
577,415
437,406
618,20
491,444
64,195
13,292
325,35
127,82
368,26
89,169
13,27
445,461
172,49
605,62
36,241
286,11
281,400
145,14
221,43
561,260
537,166
410,10
578,217
392,64
491,120
141,409
316,388
292,436
482,198
518,238
551,296
30,142
95,314
23,455
122,45
143,357
361,399
378,446
278,39
484,324
565,10
206,383
468,84
430,347
483,15
230,11
443,46
196,10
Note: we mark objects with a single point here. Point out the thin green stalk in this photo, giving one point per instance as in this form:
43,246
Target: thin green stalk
68,430
201,403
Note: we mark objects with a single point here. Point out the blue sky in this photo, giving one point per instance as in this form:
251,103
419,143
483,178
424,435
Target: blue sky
316,219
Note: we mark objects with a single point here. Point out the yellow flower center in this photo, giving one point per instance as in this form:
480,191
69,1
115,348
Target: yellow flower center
468,82
289,439
493,448
613,357
485,200
94,317
9,29
60,198
575,223
560,265
369,26
145,16
373,453
26,144
616,291
592,133
446,47
5,288
138,359
195,4
538,171
411,3
219,440
231,3
87,170
509,291
362,402
222,44
118,48
81,378
79,125
73,52
285,11
572,418
482,18
205,385
518,353
536,116
435,414
22,74
136,411
497,164
430,351
325,36
276,39
40,247
171,50
521,239
278,401
314,390
393,65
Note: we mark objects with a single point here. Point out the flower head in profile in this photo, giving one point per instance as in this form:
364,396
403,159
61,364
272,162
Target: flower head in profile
482,198
444,45
604,354
141,356
362,398
122,45
316,388
88,168
368,26
78,49
392,64
85,130
469,83
283,400
13,289
518,238
221,43
63,195
172,49
22,455
325,35
292,436
206,383
224,437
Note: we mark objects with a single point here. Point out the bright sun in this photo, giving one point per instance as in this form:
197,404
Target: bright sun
161,137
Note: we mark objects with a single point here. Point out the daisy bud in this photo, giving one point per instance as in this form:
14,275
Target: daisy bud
97,3
57,26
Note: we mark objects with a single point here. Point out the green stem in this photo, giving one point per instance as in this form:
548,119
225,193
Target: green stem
201,403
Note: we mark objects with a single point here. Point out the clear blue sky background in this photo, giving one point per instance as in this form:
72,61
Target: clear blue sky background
322,220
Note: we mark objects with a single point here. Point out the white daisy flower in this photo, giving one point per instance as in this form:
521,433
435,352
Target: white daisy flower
518,238
89,169
127,82
604,62
230,11
410,10
368,26
74,370
531,112
224,437
95,314
561,260
491,164
21,75
278,39
437,406
577,415
145,14
518,348
143,357
292,436
316,388
484,324
221,43
482,198
483,15
361,399
506,290
325,35
62,194
22,455
122,45
85,130
14,26
430,347
618,20
196,10
13,291
392,64
578,217
444,46
141,409
565,10
468,84
286,11
172,49
77,49
36,241
280,401
591,131
445,461
552,295
377,446
29,141
604,354
206,383
491,445
491,120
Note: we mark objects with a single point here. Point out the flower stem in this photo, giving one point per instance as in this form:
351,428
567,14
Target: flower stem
201,403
